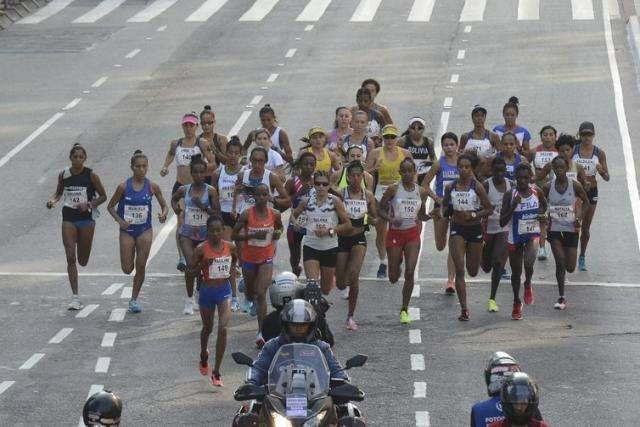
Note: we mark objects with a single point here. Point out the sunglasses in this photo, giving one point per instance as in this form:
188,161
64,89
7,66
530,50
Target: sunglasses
418,128
322,184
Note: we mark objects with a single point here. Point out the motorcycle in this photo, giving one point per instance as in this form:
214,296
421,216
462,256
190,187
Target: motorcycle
299,392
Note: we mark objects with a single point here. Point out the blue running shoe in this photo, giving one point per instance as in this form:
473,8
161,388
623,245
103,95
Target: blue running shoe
134,306
182,265
253,311
582,263
505,275
382,271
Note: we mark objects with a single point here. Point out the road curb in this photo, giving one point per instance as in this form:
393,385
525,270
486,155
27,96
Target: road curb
633,38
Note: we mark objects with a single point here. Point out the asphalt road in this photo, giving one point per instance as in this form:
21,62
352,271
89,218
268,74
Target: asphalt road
583,358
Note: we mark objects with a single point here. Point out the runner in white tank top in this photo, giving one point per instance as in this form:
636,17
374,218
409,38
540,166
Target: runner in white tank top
279,138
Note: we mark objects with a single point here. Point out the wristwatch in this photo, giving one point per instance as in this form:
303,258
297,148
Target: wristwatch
474,214
332,232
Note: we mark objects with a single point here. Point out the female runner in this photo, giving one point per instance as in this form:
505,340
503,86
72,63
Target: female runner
341,129
510,112
420,147
481,141
542,155
374,88
339,179
216,142
358,138
279,138
326,160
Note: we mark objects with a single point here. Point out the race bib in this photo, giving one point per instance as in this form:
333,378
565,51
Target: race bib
296,406
462,201
220,268
74,196
496,212
136,214
562,213
316,223
262,243
422,166
544,157
528,226
196,217
572,175
356,209
408,208
226,193
589,166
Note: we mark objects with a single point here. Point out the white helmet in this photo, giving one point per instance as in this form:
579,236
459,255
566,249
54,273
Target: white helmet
284,288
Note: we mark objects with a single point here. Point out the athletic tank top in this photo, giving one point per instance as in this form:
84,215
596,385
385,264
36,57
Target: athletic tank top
343,183
195,219
423,155
324,164
482,147
218,262
357,209
524,224
406,205
321,216
587,163
226,188
135,206
76,189
275,138
184,154
301,194
259,250
389,170
464,200
249,186
562,207
521,132
445,176
334,140
511,168
495,197
346,143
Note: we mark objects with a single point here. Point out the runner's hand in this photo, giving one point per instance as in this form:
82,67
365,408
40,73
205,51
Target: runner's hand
162,217
164,172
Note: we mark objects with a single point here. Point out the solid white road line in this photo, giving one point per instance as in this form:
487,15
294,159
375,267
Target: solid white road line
57,338
308,28
255,100
46,12
206,11
72,104
630,167
108,339
461,54
421,10
4,385
415,293
582,9
112,289
419,390
239,123
313,11
30,362
151,11
117,315
259,10
417,362
422,419
454,78
415,336
290,53
28,140
100,11
126,292
414,313
529,10
365,11
473,10
159,240
86,311
272,77
102,365
99,82
133,53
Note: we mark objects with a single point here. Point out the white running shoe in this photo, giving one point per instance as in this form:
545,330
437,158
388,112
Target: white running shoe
188,306
542,253
75,303
344,293
196,298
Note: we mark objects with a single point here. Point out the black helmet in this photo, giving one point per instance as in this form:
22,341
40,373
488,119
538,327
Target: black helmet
299,312
499,363
102,409
519,388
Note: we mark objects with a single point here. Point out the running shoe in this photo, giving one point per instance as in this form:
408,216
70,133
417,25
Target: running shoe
451,287
561,304
253,309
203,365
182,265
234,304
404,317
196,298
464,315
516,314
505,275
352,325
492,306
542,253
582,263
344,293
382,271
188,306
75,303
259,341
216,379
529,297
241,285
134,306
245,305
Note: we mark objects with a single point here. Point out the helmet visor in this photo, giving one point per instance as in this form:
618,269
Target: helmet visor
520,393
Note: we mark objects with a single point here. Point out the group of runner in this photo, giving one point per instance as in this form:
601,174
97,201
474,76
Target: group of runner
496,197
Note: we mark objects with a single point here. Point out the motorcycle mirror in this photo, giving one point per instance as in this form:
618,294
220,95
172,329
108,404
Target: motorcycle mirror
242,359
356,361
347,392
249,392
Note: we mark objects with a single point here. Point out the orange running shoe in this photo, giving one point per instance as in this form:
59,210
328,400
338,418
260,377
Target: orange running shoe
216,379
204,366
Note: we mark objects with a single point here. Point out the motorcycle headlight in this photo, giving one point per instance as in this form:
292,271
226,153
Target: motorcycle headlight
317,420
280,421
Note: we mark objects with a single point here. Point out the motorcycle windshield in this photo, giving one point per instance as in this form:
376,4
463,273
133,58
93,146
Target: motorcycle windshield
299,369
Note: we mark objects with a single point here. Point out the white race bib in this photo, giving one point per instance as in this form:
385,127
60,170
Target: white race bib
226,193
136,214
544,157
74,196
408,208
528,226
356,209
196,217
564,214
421,166
262,243
220,268
496,212
589,166
317,223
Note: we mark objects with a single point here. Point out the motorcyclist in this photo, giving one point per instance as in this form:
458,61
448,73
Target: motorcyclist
284,288
103,408
519,399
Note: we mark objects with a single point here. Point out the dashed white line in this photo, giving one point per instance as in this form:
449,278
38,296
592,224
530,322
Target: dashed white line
108,339
422,419
313,11
133,53
415,293
161,28
30,362
528,10
467,28
473,10
100,81
454,78
414,313
419,390
4,385
86,311
28,140
308,28
417,362
57,338
448,102
365,11
117,315
461,54
272,77
94,389
102,365
112,289
126,292
415,336
256,100
421,11
72,104
117,65
290,53
239,123
159,240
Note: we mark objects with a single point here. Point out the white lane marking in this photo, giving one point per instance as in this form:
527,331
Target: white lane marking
419,390
417,362
72,104
313,11
414,313
422,419
148,38
529,10
28,140
151,11
133,53
272,77
4,385
100,11
117,315
461,54
57,338
582,9
290,53
614,9
102,365
467,28
448,102
365,11
415,293
94,389
259,10
206,11
415,336
126,292
86,311
473,10
255,100
627,151
161,28
159,240
454,78
99,82
308,28
112,289
108,339
30,362
46,12
239,123
421,10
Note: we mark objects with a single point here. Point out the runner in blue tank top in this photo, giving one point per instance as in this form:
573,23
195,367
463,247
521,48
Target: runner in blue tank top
510,112
509,153
133,215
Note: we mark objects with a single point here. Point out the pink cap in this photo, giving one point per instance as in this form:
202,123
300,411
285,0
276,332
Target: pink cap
190,118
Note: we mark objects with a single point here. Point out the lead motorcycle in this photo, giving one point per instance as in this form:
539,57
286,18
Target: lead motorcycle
299,392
